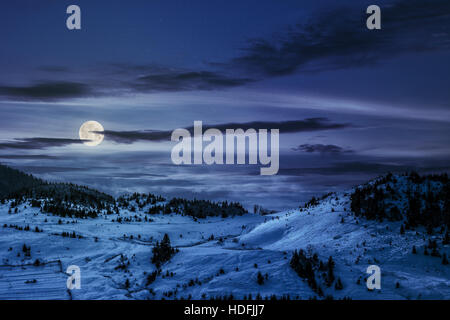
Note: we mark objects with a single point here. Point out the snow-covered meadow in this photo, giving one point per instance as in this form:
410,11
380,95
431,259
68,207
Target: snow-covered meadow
217,257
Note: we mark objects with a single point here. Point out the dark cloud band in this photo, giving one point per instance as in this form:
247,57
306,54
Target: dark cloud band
310,124
187,81
46,91
321,148
38,143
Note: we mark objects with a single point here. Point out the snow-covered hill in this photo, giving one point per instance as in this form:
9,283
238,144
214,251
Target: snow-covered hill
217,256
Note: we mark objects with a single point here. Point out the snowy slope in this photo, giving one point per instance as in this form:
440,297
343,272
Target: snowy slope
355,244
109,253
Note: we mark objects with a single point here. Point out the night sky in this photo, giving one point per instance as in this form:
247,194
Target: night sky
364,102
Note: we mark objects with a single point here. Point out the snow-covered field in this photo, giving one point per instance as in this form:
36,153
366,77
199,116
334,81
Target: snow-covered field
108,253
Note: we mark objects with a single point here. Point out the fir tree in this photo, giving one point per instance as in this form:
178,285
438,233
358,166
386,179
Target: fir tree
446,238
260,278
338,285
444,259
330,274
162,251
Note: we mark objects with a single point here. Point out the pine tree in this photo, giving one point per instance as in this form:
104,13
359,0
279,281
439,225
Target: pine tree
446,238
151,277
162,251
444,260
330,275
435,253
260,278
338,285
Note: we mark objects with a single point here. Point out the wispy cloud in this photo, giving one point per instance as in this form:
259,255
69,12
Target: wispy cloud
187,80
360,167
322,148
339,39
334,39
54,69
38,143
28,157
46,91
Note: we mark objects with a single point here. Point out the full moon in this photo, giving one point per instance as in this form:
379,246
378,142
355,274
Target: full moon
87,132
